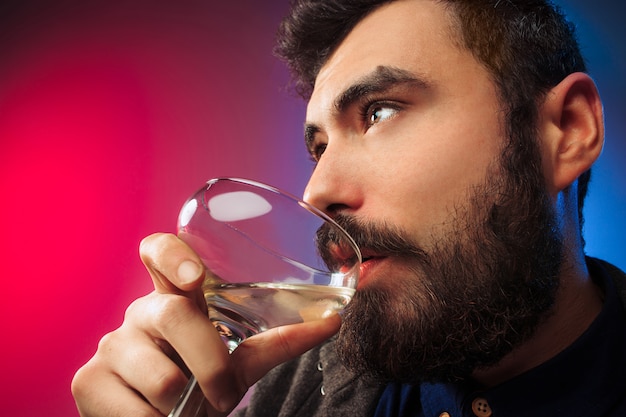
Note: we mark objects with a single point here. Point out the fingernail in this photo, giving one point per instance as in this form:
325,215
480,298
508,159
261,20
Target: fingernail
188,272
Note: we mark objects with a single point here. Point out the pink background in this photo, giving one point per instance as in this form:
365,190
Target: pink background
111,115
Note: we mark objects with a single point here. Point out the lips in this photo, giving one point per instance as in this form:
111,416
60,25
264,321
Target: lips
369,255
338,255
368,265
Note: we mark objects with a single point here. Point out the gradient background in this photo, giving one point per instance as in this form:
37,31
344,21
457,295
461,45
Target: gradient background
111,115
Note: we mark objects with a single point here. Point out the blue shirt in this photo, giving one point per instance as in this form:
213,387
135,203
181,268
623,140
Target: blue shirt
588,379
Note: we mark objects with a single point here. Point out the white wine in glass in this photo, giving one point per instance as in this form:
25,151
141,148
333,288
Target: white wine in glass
271,260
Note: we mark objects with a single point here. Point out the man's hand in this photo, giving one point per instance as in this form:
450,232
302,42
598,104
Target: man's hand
141,368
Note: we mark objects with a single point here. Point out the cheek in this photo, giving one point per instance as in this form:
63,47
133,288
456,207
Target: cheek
420,176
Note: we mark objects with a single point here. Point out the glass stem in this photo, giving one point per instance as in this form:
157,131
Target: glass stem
191,403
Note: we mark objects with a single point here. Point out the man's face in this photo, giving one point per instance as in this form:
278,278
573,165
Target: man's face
409,121
407,130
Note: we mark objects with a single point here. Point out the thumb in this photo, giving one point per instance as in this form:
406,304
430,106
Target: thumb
259,354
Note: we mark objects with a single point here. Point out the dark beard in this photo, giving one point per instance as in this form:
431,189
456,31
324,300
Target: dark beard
479,291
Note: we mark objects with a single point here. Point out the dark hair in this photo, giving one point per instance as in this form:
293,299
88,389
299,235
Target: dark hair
528,47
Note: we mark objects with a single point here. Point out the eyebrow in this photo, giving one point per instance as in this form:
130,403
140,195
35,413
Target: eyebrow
382,79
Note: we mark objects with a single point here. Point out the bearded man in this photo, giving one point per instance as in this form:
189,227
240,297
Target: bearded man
453,139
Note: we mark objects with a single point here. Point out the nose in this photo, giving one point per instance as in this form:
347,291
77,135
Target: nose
334,186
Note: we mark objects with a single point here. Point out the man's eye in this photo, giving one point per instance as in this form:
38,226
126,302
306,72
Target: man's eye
317,151
379,113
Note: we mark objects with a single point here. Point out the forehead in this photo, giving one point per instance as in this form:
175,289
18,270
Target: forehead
412,35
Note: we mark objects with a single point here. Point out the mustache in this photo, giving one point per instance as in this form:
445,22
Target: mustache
373,239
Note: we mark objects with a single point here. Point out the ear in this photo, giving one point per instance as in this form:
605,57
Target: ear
571,130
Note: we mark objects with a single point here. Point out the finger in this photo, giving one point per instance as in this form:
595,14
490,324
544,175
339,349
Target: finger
190,332
172,264
148,369
102,394
262,352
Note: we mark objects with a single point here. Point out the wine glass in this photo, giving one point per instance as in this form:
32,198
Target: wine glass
271,259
